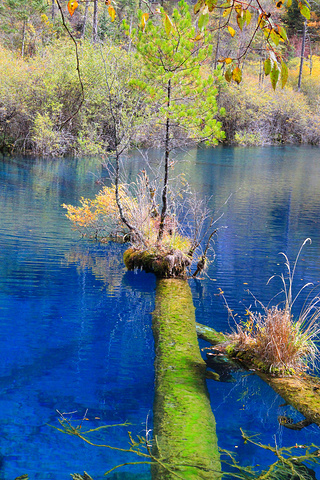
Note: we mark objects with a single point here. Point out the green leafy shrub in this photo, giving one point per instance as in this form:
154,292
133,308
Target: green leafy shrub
47,139
258,115
39,96
248,139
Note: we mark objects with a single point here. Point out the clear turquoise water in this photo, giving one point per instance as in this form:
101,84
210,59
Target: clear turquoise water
76,327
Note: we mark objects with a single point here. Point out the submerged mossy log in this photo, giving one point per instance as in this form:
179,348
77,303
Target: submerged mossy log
169,264
209,334
184,425
300,391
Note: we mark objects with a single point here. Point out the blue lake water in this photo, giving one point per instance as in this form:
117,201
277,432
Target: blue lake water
76,327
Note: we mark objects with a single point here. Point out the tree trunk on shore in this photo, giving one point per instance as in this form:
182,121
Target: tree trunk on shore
85,19
184,425
95,22
304,34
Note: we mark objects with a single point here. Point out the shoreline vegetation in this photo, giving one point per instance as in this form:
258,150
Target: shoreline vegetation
39,94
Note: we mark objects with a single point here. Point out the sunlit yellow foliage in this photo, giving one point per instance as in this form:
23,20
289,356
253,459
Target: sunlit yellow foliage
39,94
99,218
311,67
257,115
310,85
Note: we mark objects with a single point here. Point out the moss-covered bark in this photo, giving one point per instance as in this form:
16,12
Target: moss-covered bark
209,334
169,263
301,391
184,425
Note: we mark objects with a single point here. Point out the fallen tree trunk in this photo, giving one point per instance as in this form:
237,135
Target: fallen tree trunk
184,427
302,392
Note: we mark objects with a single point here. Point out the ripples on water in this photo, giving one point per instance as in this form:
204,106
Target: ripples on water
76,327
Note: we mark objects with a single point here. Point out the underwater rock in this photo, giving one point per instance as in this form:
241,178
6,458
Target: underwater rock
289,423
222,365
212,376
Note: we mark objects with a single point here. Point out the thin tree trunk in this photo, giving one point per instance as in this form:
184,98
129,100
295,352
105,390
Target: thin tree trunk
311,62
95,21
130,40
53,12
302,54
166,169
218,44
23,37
261,73
85,18
123,218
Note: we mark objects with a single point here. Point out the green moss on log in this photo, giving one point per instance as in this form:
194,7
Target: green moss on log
302,392
184,425
209,334
164,264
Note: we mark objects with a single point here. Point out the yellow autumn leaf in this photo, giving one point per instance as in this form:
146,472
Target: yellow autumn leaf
228,60
237,75
112,13
199,37
144,20
226,12
228,75
231,31
248,16
167,24
72,5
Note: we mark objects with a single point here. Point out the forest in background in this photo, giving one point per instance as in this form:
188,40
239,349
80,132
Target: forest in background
40,90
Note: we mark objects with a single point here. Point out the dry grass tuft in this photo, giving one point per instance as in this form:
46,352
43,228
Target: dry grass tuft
275,340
